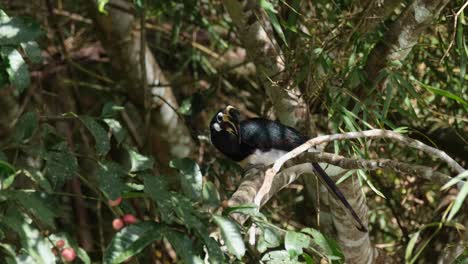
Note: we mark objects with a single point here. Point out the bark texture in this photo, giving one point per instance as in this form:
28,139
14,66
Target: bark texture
257,36
120,34
402,35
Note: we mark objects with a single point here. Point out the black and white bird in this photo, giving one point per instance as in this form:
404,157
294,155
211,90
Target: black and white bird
261,141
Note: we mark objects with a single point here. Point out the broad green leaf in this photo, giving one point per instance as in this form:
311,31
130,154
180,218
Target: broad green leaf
37,204
110,110
156,188
330,247
210,194
131,240
231,236
16,30
183,246
32,51
295,242
18,73
279,257
191,179
139,162
35,248
249,209
99,134
25,127
61,164
214,252
270,238
110,180
38,177
116,128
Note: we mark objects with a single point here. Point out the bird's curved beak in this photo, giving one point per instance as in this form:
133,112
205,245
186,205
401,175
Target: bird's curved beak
231,116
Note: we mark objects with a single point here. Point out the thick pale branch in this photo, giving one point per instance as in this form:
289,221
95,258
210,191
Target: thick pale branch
375,133
250,188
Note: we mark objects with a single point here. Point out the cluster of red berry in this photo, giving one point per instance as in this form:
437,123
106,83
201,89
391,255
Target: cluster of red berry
120,222
68,254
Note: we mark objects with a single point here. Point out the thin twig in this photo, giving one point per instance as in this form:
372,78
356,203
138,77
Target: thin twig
454,31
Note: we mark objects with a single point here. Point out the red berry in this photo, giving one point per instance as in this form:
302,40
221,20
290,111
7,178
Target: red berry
60,243
129,219
68,254
115,202
117,224
54,251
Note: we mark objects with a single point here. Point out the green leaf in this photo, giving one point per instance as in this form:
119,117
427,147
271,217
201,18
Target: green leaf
110,110
110,179
279,257
25,127
410,246
102,6
363,175
271,12
16,30
231,236
139,162
388,96
249,209
191,179
458,201
37,204
210,194
116,129
330,247
18,73
156,188
270,238
131,240
444,93
61,164
38,177
183,246
459,178
186,106
295,242
9,249
99,134
32,50
7,174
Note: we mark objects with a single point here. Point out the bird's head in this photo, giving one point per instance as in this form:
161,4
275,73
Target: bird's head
226,122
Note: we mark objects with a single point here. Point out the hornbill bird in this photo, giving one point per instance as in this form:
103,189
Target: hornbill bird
258,141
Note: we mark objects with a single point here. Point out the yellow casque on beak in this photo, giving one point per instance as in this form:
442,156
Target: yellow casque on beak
232,127
232,121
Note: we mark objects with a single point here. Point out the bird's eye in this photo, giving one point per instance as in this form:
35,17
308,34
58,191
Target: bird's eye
219,117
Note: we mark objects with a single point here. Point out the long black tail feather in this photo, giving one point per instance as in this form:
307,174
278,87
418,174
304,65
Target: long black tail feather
332,186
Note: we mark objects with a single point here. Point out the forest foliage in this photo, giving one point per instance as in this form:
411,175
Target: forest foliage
87,159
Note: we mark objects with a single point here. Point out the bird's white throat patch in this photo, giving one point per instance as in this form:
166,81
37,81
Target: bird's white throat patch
216,127
265,157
